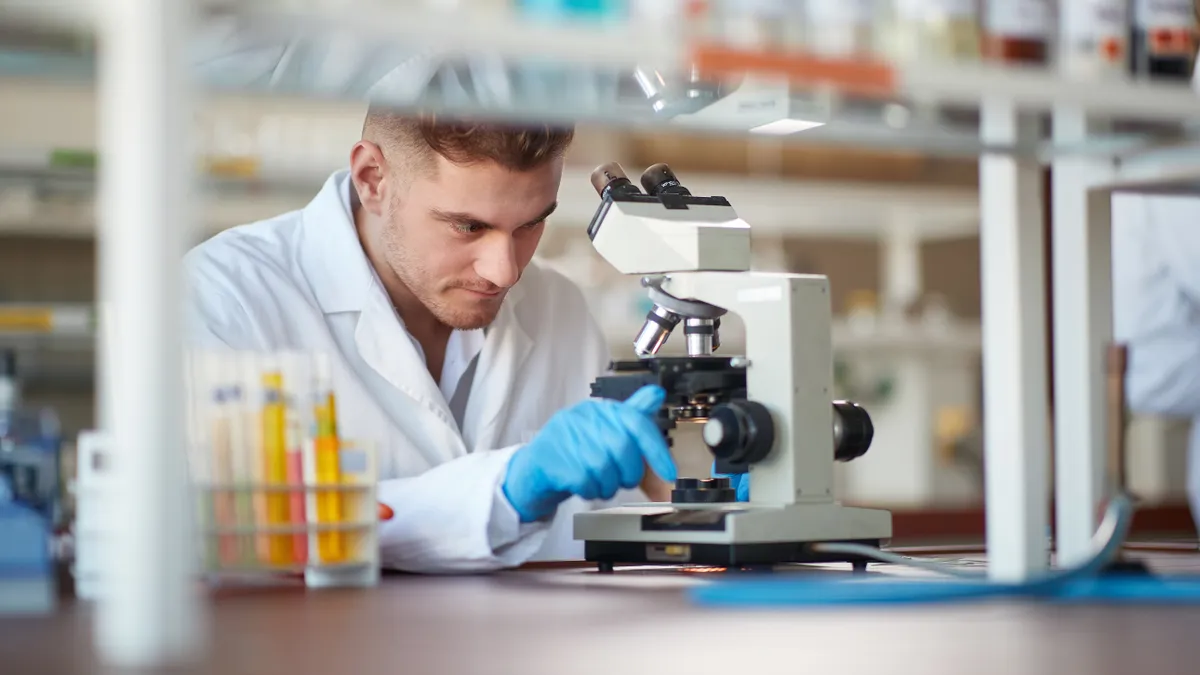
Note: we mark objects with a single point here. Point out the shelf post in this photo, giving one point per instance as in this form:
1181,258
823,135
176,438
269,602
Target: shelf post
149,610
1082,269
1014,365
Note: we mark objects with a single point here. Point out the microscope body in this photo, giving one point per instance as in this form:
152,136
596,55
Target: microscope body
767,412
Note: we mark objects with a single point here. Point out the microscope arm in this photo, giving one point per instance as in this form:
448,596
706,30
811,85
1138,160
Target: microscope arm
787,321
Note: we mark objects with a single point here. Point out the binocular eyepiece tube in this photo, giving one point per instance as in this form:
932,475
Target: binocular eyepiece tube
610,178
659,179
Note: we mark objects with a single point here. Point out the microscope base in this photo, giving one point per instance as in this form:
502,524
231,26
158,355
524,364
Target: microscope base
608,553
728,535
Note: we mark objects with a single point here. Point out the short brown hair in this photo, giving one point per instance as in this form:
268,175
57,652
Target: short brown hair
462,141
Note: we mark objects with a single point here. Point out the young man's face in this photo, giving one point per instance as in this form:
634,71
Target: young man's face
460,237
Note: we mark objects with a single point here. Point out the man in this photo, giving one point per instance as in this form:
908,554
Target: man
466,362
1156,310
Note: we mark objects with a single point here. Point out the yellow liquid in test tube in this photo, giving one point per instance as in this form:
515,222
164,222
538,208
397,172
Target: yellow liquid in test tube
275,466
330,545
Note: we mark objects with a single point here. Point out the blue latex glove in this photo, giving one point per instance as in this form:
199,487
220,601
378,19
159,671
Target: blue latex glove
590,450
739,481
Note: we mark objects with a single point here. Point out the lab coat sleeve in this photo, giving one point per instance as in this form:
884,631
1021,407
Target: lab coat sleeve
1174,224
212,318
1158,236
455,519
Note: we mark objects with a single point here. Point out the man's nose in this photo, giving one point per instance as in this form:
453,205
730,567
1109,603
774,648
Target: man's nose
498,264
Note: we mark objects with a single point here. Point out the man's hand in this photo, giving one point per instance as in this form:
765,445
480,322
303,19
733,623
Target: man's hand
590,450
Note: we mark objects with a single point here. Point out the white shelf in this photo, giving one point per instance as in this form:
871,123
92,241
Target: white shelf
297,143
1171,170
59,320
35,200
393,52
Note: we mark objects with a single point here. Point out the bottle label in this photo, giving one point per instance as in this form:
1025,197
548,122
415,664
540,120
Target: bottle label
1020,18
1164,14
936,10
1095,19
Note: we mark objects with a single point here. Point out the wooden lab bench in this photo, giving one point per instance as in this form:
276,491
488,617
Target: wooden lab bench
560,621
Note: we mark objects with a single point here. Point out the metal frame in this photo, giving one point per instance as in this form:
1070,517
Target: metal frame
1082,267
151,615
1014,363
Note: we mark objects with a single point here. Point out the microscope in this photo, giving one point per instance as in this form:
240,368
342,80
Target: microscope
768,413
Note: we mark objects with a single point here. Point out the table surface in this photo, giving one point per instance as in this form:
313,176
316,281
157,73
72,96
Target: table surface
558,621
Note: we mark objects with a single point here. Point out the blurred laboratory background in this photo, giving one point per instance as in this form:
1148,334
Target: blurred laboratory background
918,153
882,196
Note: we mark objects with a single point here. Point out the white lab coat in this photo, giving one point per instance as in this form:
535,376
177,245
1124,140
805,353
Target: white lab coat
1156,309
301,281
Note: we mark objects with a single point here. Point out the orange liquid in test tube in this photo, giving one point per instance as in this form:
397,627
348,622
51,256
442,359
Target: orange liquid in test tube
275,469
330,545
295,460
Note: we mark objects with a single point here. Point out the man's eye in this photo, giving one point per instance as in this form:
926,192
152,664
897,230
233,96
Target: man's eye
468,228
531,226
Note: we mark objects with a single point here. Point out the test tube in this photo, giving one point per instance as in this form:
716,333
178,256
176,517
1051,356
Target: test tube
330,545
296,390
233,400
250,377
274,458
215,422
199,466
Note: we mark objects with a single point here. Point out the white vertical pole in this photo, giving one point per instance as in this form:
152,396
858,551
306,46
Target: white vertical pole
148,611
1014,367
1082,256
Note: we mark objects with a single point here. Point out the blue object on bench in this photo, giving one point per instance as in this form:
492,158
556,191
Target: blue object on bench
777,593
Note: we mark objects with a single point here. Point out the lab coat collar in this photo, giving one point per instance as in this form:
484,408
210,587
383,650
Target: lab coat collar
342,280
332,257
384,346
505,351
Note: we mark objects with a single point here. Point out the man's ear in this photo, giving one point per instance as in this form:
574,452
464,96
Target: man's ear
367,175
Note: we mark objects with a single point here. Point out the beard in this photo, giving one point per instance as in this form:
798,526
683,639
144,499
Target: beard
453,308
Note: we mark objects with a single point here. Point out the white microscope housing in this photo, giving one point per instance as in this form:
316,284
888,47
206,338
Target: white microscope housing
768,413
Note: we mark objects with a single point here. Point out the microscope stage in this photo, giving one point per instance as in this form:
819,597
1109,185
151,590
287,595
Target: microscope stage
730,534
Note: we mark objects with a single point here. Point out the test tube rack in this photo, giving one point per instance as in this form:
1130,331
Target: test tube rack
234,552
337,551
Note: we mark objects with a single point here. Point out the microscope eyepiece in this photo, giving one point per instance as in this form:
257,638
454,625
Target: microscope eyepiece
659,179
609,178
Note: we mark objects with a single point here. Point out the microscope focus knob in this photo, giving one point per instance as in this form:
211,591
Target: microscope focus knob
739,432
852,431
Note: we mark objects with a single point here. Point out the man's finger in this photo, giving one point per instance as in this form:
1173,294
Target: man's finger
650,442
630,465
647,400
